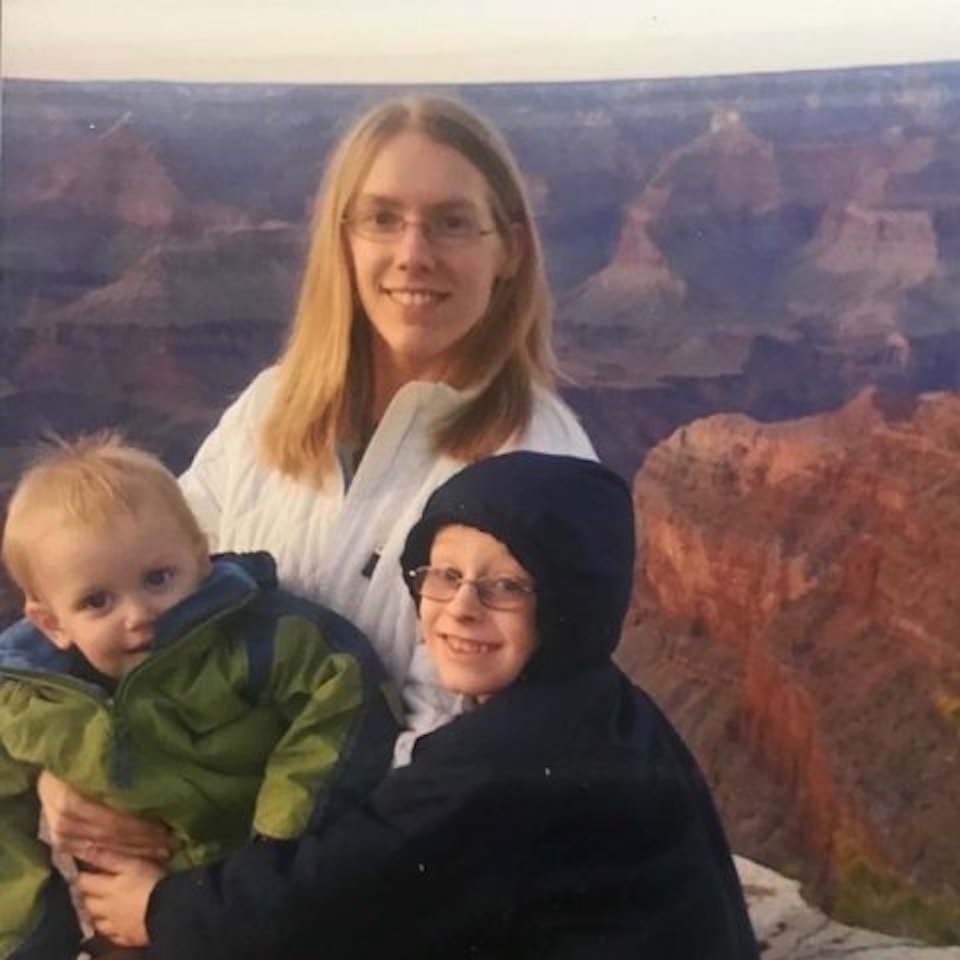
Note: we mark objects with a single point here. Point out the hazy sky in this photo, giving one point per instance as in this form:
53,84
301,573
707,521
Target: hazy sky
463,40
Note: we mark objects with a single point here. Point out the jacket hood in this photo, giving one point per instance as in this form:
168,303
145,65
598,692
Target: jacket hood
569,522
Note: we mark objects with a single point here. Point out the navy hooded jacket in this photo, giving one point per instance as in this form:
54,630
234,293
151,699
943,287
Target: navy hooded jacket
562,819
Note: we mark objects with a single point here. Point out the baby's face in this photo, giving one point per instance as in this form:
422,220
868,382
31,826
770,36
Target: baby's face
478,649
102,588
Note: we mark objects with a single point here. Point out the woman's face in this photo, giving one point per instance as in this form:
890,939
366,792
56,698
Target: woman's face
423,293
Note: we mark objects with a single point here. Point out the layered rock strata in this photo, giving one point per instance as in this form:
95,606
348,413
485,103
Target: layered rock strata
797,615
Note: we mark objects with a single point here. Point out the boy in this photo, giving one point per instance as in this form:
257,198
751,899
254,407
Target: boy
179,688
560,818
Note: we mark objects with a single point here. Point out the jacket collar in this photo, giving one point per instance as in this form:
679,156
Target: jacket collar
233,581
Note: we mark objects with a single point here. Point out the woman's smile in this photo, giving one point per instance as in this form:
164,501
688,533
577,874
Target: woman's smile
415,296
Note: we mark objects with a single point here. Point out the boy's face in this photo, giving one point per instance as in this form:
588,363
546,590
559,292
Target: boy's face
477,650
102,588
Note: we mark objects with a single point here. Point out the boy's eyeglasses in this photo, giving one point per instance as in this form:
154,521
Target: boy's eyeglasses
441,228
497,593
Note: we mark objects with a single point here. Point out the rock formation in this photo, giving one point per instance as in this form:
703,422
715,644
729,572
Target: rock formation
112,175
788,928
796,613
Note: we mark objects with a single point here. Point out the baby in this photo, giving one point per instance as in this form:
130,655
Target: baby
176,687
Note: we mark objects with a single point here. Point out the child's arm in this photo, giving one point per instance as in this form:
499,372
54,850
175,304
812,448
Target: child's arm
405,855
259,902
341,729
117,893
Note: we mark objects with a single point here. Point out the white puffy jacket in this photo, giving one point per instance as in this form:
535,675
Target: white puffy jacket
340,546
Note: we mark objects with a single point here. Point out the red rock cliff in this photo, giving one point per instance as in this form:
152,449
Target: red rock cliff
797,614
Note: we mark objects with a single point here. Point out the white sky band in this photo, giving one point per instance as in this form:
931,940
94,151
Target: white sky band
409,41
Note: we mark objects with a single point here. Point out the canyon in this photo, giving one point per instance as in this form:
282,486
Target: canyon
757,285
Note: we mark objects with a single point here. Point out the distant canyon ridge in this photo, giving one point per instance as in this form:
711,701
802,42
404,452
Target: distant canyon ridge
757,285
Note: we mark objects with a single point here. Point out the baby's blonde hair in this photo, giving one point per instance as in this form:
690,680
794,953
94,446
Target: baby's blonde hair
87,483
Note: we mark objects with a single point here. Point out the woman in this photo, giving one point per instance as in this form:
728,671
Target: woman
420,343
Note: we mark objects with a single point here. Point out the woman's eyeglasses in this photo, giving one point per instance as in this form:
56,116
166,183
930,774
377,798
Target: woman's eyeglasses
449,228
497,593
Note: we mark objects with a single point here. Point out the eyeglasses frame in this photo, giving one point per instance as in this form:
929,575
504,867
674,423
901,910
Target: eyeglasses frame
349,221
527,589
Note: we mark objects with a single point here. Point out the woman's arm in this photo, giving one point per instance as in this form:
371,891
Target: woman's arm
74,822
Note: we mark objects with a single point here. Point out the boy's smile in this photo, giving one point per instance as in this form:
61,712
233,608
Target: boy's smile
477,650
103,587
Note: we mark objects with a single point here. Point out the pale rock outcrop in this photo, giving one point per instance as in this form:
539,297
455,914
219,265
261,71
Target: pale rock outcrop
788,928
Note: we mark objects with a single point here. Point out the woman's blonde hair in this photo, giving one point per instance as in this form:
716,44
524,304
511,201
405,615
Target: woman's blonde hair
324,379
88,483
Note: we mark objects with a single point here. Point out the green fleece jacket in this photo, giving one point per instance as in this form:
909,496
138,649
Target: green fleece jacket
256,712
